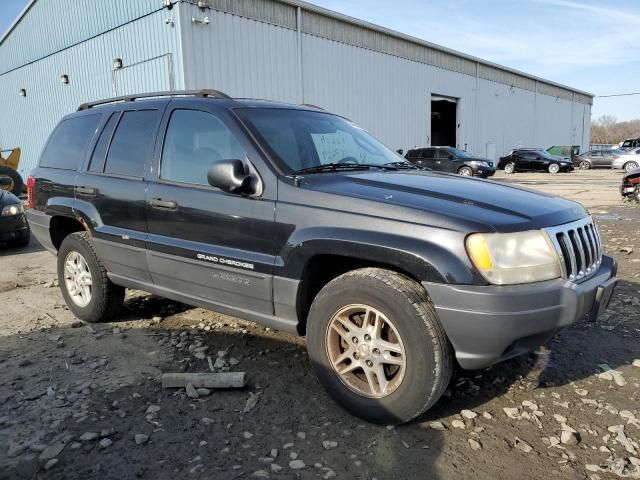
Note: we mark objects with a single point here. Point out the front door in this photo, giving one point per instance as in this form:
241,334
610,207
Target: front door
205,243
428,158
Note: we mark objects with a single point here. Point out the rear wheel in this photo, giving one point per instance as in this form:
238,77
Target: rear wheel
553,168
89,293
465,172
510,167
584,165
630,166
16,184
377,346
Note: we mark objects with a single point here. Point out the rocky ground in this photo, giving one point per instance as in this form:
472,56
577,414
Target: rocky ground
84,401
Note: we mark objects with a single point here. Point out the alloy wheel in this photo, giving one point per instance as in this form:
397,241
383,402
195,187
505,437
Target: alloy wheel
630,166
366,351
465,172
584,165
509,168
77,278
554,168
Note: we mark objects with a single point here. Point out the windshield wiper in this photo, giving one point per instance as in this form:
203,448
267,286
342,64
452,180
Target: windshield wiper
331,167
402,164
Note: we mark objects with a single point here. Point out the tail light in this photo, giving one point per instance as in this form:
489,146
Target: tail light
616,156
31,182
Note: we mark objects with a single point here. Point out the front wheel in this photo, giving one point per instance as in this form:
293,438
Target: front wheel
377,346
584,165
510,167
630,166
554,168
465,172
89,293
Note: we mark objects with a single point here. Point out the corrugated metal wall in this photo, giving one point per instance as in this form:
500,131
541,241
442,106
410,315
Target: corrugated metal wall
27,121
345,69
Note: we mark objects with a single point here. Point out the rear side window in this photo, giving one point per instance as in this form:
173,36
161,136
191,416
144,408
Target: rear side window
130,143
428,153
100,151
69,142
412,154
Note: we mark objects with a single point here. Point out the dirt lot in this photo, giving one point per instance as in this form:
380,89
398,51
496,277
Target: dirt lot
84,401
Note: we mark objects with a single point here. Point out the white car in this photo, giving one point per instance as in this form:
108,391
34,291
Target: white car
627,160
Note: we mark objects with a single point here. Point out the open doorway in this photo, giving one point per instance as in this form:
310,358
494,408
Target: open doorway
443,120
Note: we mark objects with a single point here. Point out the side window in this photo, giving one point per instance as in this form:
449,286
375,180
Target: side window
69,142
428,153
100,151
130,142
442,154
194,140
412,154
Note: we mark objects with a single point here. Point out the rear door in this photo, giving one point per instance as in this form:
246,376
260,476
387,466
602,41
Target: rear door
112,188
597,158
203,242
428,158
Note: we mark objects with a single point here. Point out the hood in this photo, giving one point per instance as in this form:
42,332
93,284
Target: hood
449,201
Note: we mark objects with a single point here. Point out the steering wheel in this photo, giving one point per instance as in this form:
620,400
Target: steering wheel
348,160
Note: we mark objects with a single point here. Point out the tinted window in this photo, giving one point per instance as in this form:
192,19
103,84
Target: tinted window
443,155
129,146
428,153
69,142
412,154
195,140
100,151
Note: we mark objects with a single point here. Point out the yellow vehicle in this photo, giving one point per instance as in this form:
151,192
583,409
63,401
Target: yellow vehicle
9,160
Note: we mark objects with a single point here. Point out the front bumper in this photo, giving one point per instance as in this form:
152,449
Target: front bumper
12,227
483,171
488,324
566,167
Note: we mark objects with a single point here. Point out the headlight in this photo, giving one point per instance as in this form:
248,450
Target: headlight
12,210
510,258
480,163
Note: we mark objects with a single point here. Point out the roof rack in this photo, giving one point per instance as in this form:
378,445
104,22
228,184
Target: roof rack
131,98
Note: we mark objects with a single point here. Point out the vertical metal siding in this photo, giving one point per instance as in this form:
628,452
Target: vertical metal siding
52,25
241,57
27,121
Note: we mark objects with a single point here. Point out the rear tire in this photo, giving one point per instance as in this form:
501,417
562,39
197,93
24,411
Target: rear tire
553,168
422,370
17,185
510,168
629,166
105,298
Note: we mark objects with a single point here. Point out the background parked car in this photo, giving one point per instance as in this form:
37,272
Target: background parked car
14,229
533,159
451,160
630,187
631,143
595,159
626,159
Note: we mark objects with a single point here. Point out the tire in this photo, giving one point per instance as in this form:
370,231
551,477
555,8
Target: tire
630,166
510,168
23,240
465,172
428,355
584,165
553,168
18,185
106,298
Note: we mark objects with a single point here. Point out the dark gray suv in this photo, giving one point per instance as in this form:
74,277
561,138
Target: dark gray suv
297,219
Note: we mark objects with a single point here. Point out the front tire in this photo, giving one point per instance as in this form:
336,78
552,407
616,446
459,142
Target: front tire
377,346
630,166
510,168
465,172
584,165
83,280
553,168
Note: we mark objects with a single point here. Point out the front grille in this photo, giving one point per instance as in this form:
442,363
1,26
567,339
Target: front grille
579,246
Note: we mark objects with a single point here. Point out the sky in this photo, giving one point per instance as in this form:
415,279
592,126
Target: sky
586,44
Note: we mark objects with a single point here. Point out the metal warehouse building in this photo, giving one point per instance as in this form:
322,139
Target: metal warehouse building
407,92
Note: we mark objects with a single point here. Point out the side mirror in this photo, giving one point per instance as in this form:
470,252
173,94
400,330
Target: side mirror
230,175
5,181
400,151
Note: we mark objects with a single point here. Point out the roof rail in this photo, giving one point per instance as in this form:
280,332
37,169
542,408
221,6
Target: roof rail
173,93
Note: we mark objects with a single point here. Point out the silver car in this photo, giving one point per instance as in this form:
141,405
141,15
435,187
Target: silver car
627,160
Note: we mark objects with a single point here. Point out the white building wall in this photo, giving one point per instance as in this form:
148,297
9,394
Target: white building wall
388,95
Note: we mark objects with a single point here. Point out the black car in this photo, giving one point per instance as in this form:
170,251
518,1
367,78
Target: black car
14,229
297,219
451,160
533,159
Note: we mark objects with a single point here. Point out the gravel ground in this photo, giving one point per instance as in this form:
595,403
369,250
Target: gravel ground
84,401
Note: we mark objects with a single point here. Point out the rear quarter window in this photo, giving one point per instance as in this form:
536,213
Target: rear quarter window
68,143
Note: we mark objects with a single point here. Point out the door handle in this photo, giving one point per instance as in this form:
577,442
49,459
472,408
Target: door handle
164,204
90,191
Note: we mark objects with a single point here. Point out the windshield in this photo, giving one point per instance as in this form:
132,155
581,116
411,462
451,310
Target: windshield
301,139
458,153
